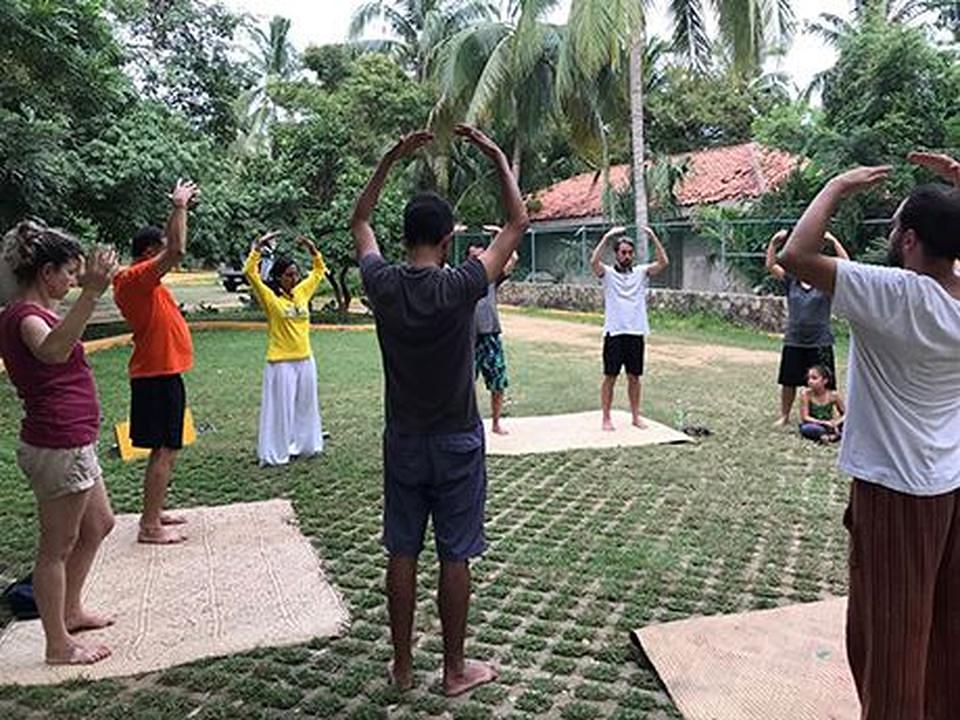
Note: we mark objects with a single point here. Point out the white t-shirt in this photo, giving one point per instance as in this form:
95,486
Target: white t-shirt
902,426
625,301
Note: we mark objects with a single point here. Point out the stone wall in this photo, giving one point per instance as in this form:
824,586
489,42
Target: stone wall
763,312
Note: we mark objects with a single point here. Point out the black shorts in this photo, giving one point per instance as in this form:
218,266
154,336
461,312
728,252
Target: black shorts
795,361
624,351
157,405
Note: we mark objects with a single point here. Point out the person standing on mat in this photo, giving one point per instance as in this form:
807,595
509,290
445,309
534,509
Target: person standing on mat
289,411
45,361
808,339
490,360
901,442
624,316
162,351
433,442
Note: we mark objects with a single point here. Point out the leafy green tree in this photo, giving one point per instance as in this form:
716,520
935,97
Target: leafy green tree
182,54
418,27
274,61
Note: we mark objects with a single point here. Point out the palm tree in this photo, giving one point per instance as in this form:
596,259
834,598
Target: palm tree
501,69
419,27
273,61
601,32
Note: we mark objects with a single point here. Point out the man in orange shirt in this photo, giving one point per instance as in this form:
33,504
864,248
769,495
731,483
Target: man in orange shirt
162,350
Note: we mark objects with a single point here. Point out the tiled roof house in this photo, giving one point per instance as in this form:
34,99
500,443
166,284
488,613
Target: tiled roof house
717,175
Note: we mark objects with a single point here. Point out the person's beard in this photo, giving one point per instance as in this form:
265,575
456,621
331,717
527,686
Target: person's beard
895,253
624,266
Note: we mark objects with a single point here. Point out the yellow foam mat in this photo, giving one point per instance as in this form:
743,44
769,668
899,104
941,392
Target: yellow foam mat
129,452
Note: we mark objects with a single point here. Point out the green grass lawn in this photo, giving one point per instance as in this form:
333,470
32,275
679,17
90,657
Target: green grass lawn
584,545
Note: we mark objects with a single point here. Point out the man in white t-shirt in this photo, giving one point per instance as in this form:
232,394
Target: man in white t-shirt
624,316
901,442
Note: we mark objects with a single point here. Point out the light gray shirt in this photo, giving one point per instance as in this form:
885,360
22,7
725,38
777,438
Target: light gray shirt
487,319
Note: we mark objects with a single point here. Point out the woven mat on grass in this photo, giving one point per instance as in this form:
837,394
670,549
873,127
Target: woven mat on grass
556,433
784,664
245,578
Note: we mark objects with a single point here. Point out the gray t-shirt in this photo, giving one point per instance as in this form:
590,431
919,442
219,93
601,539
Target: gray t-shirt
808,315
425,326
488,320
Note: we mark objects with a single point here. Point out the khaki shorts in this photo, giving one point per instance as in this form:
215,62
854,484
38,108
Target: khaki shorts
55,472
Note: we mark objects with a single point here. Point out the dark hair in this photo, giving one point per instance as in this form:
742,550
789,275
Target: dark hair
427,219
279,267
144,239
624,241
825,374
932,211
31,244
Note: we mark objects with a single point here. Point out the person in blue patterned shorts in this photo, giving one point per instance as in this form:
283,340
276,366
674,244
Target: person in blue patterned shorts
490,359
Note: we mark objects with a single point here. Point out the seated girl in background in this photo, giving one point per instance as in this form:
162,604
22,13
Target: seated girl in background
821,407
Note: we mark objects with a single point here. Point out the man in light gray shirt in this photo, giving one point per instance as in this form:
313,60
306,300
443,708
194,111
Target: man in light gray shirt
490,360
901,442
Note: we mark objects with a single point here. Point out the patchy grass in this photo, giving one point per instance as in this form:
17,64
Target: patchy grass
584,545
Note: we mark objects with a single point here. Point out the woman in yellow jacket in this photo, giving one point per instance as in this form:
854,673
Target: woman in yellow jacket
289,411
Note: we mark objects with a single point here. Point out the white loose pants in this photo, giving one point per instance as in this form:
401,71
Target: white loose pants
289,412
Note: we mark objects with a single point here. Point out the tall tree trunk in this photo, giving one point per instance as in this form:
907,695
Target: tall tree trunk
337,294
515,160
344,290
636,131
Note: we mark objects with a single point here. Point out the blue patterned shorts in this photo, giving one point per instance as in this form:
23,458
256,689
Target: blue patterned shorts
490,360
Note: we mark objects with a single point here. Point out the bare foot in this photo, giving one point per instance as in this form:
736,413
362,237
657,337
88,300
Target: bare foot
159,536
781,421
474,674
638,422
500,430
608,425
78,654
83,620
403,681
172,519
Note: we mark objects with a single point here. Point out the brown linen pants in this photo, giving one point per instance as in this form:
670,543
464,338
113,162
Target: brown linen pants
903,616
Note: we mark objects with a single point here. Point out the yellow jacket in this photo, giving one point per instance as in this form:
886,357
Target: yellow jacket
288,317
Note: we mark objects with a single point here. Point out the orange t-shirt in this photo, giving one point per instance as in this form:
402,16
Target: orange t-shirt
161,338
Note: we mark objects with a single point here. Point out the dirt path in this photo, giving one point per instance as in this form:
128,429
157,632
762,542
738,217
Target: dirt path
588,337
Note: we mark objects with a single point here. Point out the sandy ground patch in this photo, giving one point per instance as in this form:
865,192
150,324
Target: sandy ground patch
588,337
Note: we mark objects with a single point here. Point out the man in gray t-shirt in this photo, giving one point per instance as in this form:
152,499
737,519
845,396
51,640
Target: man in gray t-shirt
807,339
489,358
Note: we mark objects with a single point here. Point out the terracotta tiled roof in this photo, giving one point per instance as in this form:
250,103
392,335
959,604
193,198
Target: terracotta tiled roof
725,174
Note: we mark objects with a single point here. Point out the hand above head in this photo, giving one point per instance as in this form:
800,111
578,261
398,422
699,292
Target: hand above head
98,269
307,244
779,237
938,163
266,241
473,136
859,179
183,193
492,229
409,144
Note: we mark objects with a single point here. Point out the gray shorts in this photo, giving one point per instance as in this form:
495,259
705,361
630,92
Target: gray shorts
55,472
439,476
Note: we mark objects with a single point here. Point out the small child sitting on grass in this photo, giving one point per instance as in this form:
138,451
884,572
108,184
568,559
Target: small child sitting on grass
821,407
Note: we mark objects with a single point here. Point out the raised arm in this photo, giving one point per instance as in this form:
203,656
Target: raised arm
801,257
773,267
176,230
938,163
507,239
838,248
597,255
660,260
251,268
318,269
365,242
54,345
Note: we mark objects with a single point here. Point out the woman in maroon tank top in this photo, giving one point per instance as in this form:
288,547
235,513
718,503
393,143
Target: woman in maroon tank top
45,361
